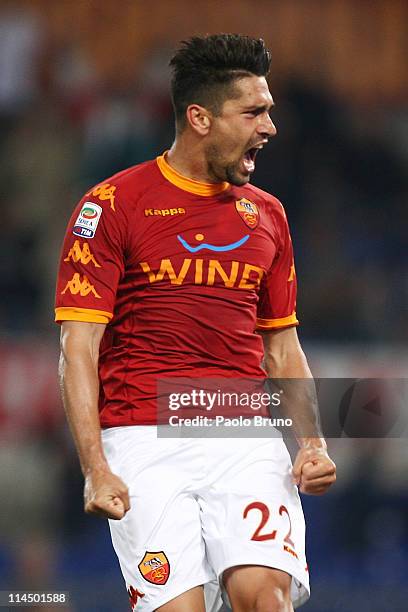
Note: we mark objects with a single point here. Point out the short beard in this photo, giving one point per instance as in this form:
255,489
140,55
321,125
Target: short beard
233,178
220,170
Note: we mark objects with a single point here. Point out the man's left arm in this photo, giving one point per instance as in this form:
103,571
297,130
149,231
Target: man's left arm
313,470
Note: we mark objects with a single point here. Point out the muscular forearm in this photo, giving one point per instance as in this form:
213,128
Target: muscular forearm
291,374
313,470
105,494
78,371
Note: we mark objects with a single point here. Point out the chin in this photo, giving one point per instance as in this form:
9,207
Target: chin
230,173
238,179
240,182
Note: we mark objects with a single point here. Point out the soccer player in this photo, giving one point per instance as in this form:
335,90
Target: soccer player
180,267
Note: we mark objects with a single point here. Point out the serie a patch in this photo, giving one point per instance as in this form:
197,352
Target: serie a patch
87,221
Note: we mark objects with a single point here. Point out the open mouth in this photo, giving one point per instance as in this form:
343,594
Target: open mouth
249,158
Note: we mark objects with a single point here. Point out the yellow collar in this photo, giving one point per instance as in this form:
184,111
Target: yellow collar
187,184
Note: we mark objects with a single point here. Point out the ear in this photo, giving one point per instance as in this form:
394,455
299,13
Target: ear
199,118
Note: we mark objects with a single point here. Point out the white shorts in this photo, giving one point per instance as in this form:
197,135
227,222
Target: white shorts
200,506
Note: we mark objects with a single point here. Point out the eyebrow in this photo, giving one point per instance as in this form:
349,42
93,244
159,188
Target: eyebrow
258,109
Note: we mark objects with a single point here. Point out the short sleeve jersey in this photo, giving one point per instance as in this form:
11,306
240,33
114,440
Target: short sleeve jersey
183,273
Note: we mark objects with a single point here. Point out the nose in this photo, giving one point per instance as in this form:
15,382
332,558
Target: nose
267,127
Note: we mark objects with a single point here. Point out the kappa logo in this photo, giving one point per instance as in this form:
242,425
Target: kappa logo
134,595
155,567
248,211
83,287
105,192
164,212
87,220
81,254
289,550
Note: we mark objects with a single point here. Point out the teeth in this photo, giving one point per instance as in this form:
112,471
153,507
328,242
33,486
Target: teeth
249,157
249,163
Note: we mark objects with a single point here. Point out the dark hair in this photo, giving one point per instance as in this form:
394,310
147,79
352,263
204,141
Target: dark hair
206,68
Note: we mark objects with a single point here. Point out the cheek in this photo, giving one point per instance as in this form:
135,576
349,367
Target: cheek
231,147
230,137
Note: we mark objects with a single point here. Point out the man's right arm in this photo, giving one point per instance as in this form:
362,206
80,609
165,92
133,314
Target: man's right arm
105,494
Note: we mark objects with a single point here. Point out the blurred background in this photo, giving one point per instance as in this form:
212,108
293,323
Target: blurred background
84,93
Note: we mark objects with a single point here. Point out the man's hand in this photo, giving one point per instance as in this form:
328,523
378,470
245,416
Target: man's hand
313,471
105,495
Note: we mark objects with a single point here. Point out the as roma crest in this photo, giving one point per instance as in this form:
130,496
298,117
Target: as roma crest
155,567
248,212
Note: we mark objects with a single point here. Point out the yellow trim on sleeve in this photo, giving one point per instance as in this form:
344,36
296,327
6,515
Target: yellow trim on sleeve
276,323
87,315
188,184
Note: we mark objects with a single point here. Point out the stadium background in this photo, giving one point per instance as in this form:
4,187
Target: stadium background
84,93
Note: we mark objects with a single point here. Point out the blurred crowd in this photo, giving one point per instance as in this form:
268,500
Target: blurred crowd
340,170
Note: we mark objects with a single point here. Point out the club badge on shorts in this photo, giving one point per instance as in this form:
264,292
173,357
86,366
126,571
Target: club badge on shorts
248,211
155,567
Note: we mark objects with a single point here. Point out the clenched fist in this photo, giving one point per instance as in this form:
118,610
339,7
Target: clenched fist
313,471
105,495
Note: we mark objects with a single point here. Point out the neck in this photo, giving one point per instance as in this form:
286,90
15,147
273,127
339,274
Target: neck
187,157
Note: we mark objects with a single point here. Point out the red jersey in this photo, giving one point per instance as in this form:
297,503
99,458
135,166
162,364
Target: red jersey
182,273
